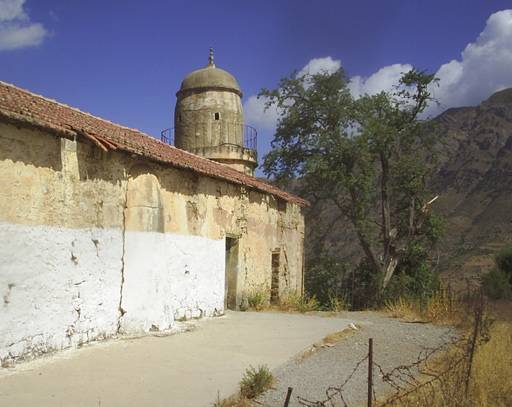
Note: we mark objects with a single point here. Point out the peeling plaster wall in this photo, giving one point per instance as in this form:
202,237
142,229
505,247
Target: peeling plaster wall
131,244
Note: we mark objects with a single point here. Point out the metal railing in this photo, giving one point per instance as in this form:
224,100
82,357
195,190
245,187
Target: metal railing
167,136
250,137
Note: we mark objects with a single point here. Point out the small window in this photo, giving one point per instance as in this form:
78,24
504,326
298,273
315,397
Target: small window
179,117
217,116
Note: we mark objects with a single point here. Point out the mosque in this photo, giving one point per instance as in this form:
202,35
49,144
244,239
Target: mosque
105,230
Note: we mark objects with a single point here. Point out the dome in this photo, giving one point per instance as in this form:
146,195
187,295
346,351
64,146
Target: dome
210,77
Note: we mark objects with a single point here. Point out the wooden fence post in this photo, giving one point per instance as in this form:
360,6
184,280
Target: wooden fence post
288,396
370,372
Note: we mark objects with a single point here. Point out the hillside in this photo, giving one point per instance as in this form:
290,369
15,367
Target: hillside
475,182
475,187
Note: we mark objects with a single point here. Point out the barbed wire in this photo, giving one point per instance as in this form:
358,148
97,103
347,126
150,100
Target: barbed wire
421,378
333,391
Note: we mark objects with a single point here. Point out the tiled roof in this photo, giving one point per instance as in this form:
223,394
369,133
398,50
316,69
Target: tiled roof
22,106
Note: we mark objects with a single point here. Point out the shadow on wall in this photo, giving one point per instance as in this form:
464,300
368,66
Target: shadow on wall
40,150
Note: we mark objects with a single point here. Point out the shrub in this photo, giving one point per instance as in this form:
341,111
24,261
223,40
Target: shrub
504,261
325,278
363,287
496,285
413,277
255,382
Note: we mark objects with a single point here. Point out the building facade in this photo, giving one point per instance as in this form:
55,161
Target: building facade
105,230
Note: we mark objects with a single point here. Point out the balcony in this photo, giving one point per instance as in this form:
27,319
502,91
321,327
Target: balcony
250,138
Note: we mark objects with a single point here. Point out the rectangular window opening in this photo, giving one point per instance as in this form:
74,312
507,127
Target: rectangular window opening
274,282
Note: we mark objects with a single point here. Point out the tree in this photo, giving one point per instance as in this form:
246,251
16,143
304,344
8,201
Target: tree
370,157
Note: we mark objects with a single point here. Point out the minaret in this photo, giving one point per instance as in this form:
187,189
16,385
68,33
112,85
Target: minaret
209,121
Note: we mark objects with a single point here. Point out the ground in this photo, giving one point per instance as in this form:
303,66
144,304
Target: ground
395,343
192,368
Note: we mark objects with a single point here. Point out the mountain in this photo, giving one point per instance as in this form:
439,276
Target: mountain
474,183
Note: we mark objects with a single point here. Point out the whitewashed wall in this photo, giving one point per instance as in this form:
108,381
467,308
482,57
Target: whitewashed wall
59,287
170,276
62,287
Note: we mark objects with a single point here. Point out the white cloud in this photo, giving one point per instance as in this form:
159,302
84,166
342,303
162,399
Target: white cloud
16,29
382,80
320,65
12,10
485,66
255,114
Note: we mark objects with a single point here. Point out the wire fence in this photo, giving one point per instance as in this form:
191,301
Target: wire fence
425,380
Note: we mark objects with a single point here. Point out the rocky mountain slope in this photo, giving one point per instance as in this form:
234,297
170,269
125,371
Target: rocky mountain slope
474,184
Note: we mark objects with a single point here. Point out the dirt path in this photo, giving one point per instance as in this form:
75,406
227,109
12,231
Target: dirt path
180,370
395,343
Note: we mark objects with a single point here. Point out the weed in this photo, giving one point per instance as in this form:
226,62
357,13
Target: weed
233,401
337,304
258,299
256,382
293,301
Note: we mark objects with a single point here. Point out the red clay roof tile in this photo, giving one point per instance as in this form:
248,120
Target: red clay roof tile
26,107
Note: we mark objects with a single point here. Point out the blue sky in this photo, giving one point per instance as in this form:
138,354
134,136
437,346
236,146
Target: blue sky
124,60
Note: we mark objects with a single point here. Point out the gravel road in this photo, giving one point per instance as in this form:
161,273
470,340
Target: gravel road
395,343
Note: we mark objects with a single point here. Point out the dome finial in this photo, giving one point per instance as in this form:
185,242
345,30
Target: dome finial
210,58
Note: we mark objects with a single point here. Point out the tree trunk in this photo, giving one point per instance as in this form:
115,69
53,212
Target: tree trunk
385,205
389,270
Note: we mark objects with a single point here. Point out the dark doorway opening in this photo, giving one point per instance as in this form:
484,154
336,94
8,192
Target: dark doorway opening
230,300
274,282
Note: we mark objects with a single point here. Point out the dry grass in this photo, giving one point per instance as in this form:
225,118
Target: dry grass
439,309
337,304
258,300
294,302
490,383
336,337
328,341
492,377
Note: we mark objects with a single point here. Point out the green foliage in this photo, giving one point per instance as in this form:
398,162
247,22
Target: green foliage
324,279
370,157
496,285
255,382
413,277
504,261
362,286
